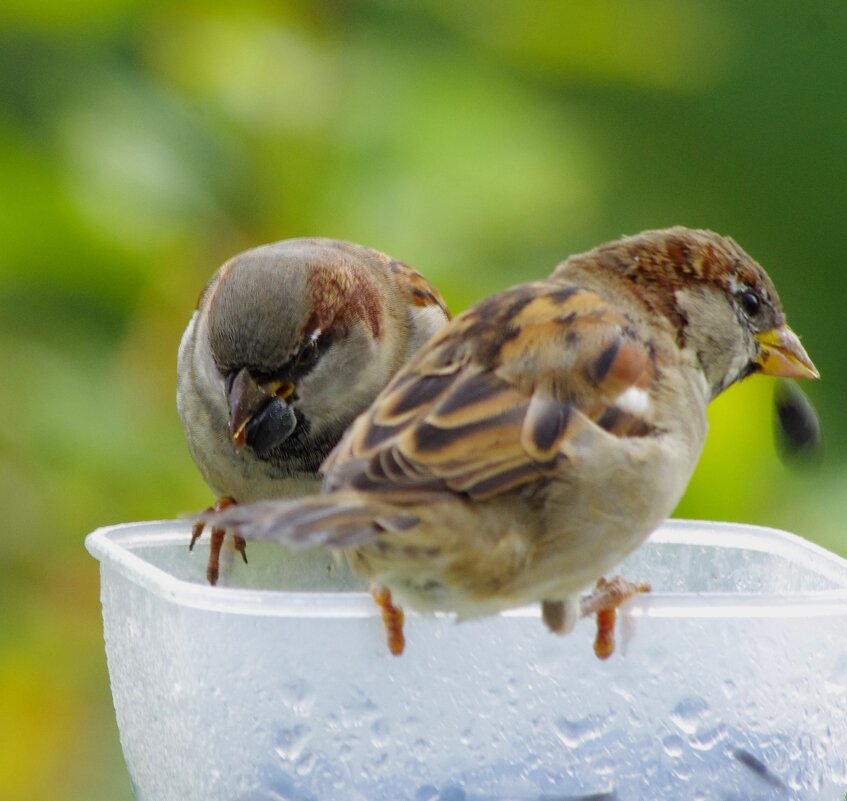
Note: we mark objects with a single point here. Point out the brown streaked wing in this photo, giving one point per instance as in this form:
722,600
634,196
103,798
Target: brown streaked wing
480,426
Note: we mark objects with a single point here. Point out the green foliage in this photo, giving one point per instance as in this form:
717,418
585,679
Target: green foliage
141,145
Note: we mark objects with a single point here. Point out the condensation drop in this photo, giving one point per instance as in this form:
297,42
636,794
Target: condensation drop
299,696
291,742
574,733
706,738
306,764
426,793
836,681
688,713
673,745
380,733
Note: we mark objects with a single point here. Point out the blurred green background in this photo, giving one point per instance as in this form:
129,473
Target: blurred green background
143,144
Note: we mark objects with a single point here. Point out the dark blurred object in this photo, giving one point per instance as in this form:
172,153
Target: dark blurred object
798,430
757,766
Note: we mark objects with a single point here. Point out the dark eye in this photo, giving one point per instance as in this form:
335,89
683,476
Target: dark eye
308,354
750,303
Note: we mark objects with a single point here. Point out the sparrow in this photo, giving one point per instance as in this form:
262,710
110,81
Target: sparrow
289,342
543,434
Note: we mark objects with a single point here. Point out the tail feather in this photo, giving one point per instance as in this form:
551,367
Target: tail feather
337,520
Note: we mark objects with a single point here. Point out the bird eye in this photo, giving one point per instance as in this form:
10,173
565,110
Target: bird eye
308,354
750,303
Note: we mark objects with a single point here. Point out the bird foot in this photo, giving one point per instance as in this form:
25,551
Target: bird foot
216,540
392,619
603,602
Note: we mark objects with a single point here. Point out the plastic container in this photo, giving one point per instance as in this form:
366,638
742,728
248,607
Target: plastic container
729,681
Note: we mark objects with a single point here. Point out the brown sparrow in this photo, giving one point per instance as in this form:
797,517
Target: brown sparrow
289,342
543,434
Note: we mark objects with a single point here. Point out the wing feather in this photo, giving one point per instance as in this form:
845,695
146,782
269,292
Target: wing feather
492,403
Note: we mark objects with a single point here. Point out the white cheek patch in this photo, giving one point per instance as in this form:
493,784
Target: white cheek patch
426,321
737,367
633,401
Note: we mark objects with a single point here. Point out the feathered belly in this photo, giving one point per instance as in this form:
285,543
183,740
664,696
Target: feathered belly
476,560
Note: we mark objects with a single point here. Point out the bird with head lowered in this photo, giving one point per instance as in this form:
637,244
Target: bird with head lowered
289,342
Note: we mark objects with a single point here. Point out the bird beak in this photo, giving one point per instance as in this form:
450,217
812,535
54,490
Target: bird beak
781,354
247,397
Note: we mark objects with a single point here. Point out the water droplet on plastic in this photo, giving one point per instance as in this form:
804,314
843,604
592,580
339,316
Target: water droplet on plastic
706,738
426,793
380,733
291,742
673,745
306,764
574,733
688,713
299,697
836,681
421,748
531,763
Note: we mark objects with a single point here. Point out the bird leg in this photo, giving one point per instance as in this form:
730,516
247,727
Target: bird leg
604,602
392,618
216,540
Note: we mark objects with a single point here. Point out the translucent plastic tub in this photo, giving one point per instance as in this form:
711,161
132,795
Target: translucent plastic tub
729,681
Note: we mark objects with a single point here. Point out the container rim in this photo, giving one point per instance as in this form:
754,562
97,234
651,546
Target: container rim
112,547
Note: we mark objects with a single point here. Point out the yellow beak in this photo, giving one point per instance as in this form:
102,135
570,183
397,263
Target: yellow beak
782,355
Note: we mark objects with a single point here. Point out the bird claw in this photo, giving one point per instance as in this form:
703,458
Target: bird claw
216,540
240,546
197,530
603,602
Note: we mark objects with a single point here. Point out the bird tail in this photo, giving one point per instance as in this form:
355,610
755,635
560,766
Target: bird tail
338,520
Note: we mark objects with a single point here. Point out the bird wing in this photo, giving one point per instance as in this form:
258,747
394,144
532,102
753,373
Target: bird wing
499,398
417,289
